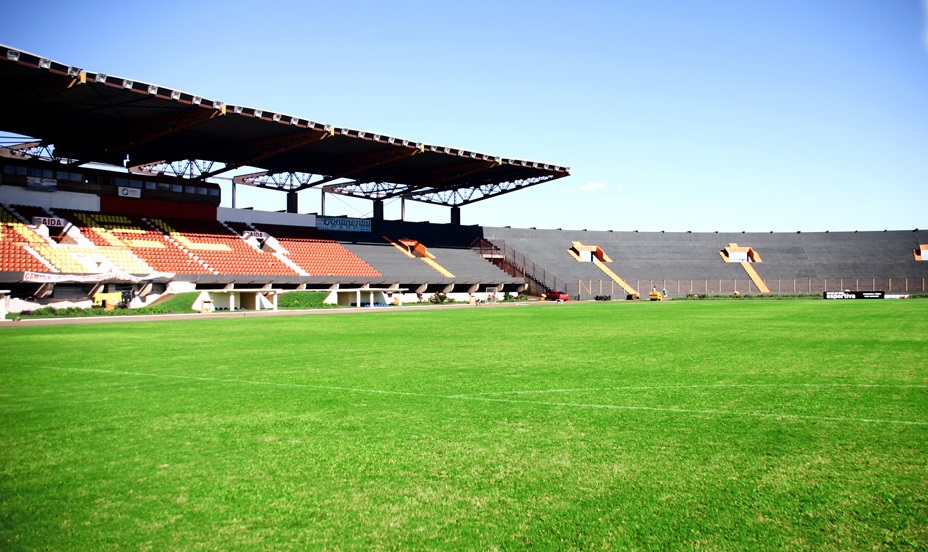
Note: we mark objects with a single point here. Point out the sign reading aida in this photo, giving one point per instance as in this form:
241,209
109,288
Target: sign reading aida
49,221
854,294
343,224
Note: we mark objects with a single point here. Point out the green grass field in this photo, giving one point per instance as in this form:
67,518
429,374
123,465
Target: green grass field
797,425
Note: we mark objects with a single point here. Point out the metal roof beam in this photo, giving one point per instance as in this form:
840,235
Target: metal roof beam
368,190
385,190
109,117
192,169
152,130
253,153
285,181
455,172
356,164
40,89
466,196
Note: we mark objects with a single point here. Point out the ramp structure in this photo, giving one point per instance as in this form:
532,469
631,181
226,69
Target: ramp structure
594,254
734,253
415,250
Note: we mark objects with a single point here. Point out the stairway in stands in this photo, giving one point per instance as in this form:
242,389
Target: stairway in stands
615,277
599,258
415,250
755,277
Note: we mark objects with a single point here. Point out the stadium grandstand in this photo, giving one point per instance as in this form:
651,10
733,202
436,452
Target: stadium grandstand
112,189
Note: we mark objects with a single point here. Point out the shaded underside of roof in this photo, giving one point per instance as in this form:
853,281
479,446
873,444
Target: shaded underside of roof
94,117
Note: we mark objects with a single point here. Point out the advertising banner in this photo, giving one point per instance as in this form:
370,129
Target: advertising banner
42,277
41,184
343,224
130,192
854,294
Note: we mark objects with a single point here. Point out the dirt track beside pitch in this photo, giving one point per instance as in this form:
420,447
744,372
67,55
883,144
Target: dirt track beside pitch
246,314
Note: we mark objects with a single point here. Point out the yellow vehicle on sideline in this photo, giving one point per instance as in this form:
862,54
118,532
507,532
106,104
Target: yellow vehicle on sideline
655,296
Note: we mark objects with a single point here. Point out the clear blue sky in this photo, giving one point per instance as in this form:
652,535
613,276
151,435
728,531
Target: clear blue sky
673,115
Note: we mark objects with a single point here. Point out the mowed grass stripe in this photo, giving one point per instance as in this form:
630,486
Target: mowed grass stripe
488,398
179,461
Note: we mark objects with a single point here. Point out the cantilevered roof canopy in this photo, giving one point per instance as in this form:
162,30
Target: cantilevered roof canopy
95,117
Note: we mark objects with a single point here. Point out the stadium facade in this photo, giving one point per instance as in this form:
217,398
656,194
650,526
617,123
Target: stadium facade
112,192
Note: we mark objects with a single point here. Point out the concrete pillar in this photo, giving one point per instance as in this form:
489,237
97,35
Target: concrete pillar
3,299
378,210
292,202
456,216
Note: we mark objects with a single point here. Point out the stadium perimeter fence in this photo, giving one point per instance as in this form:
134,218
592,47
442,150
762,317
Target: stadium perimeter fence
679,287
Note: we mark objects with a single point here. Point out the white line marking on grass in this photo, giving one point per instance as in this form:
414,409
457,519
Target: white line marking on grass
247,382
694,411
696,386
513,401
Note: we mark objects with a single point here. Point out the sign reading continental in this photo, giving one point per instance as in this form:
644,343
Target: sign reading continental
854,294
343,224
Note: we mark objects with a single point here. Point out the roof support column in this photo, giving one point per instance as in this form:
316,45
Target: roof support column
455,216
292,202
378,210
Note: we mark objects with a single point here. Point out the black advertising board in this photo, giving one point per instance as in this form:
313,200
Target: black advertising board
854,295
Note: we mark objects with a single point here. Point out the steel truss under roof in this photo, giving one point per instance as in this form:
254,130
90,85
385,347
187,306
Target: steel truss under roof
94,117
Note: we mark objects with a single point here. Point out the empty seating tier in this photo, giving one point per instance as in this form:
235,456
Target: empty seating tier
137,238
318,254
221,249
15,237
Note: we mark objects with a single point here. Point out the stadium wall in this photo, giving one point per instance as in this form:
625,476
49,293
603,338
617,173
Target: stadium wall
49,200
685,262
140,207
226,214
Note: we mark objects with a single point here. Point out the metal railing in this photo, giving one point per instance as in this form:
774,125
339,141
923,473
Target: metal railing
790,286
514,263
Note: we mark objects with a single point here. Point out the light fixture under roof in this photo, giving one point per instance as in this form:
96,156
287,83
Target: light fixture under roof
197,100
45,63
73,72
128,84
259,113
12,55
175,94
101,77
237,109
276,117
152,88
